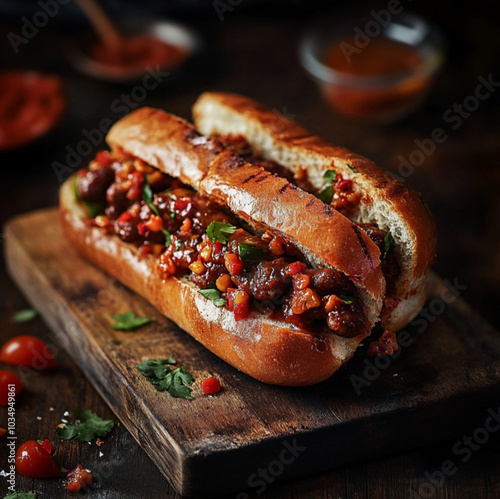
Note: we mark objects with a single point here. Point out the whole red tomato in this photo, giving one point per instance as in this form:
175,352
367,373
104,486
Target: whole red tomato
33,460
7,378
29,351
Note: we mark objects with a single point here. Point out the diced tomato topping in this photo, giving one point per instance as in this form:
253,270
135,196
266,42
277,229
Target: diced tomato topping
295,268
126,216
218,246
210,386
78,478
233,264
103,157
135,191
238,301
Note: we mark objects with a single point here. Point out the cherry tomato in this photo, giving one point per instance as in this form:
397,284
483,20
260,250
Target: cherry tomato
210,386
7,378
78,478
33,460
29,351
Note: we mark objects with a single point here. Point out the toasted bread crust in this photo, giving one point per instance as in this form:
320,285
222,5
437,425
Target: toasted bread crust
280,139
272,352
265,201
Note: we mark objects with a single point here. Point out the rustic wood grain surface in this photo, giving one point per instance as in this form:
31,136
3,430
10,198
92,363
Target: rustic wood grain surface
254,52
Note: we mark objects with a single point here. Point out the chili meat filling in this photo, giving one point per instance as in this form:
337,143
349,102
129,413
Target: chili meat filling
337,192
194,237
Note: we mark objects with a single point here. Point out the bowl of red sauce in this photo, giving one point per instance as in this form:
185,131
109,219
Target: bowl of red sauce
31,105
374,70
148,45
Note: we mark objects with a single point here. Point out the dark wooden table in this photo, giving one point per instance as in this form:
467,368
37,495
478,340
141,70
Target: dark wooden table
254,53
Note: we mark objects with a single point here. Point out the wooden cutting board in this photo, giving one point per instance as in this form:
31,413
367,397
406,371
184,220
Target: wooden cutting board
444,378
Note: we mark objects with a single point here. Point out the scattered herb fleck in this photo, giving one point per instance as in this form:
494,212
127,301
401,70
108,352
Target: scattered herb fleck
213,295
388,245
25,315
128,321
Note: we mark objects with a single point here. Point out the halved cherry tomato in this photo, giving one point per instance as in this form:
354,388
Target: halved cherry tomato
29,351
33,460
210,386
7,378
78,478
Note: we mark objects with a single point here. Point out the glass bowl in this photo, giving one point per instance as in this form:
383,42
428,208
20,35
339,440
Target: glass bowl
384,95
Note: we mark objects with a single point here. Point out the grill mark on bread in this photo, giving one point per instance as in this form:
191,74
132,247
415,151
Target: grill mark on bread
284,188
356,230
310,203
250,178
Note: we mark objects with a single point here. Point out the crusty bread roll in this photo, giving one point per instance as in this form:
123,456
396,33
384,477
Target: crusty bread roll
271,351
388,202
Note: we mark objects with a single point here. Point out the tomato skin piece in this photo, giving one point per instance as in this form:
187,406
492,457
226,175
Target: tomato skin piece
210,386
34,461
7,378
29,351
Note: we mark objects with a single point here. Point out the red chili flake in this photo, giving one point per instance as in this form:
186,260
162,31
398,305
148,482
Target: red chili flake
210,386
103,157
78,478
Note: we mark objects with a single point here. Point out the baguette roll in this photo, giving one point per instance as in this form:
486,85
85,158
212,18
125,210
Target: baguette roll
382,199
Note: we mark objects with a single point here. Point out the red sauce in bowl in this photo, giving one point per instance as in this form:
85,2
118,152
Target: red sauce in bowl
31,104
401,64
137,53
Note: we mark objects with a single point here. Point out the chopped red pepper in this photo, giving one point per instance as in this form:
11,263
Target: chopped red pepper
78,478
238,301
233,264
103,157
126,216
210,386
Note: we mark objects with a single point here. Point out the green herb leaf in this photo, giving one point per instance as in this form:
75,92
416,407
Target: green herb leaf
250,253
91,426
220,231
213,295
388,245
25,315
147,197
330,176
20,495
352,168
168,237
128,321
326,195
160,374
75,189
347,299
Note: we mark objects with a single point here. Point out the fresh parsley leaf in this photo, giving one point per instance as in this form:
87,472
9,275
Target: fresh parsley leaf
220,231
128,321
330,176
250,253
155,368
177,381
91,426
25,315
326,194
213,295
352,168
20,495
94,209
147,197
388,245
347,299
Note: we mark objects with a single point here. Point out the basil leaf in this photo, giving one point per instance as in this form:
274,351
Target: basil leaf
147,196
347,299
330,176
250,253
128,321
388,245
220,231
213,295
25,315
326,195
